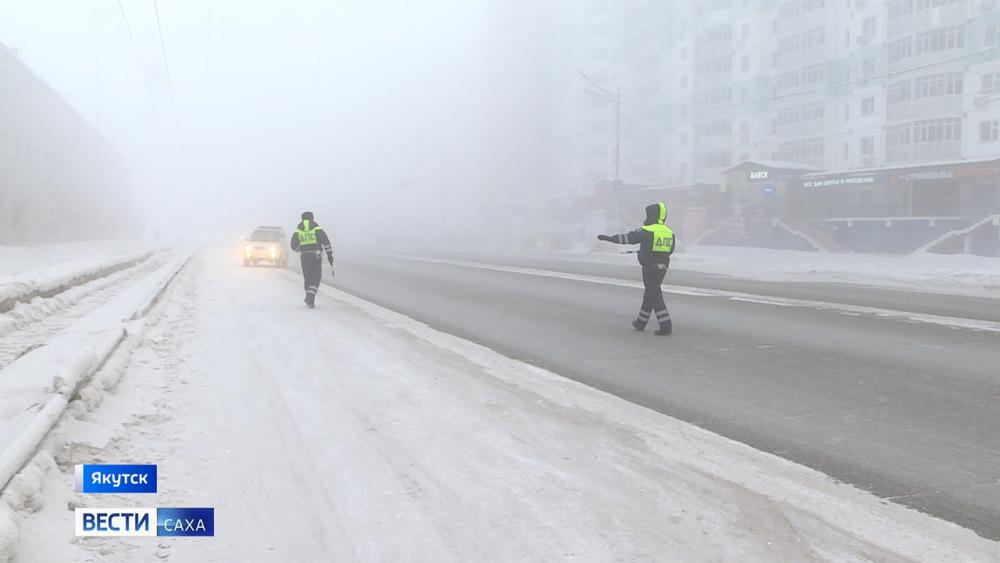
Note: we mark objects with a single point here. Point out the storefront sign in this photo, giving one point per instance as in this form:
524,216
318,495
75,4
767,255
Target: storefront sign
853,180
925,175
948,173
757,175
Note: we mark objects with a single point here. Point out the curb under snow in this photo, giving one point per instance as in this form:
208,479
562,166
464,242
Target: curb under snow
25,287
23,462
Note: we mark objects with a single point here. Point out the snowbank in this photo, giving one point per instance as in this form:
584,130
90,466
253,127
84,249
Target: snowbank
30,271
956,274
36,390
960,272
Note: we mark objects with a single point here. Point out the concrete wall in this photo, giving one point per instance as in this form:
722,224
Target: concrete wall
59,179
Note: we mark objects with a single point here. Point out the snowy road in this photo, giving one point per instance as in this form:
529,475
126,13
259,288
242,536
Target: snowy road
353,433
878,388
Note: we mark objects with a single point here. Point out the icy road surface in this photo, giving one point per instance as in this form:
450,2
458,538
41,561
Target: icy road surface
350,432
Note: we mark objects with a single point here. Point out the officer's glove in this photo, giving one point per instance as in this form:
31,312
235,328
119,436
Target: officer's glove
605,238
332,273
329,258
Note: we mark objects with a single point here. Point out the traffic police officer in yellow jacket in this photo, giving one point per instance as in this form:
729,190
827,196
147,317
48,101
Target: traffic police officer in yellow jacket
656,244
310,241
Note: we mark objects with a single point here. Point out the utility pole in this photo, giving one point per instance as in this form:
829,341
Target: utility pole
618,138
615,99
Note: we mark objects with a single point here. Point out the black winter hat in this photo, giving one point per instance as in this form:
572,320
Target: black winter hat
307,215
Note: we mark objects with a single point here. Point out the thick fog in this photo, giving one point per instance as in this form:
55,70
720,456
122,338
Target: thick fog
803,124
381,117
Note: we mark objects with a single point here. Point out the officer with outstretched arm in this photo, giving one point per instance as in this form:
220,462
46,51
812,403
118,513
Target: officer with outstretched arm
656,244
310,241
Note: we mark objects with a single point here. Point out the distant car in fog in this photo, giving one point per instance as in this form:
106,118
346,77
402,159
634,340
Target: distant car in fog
266,244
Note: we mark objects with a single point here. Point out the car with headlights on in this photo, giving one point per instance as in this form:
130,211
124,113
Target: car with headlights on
267,245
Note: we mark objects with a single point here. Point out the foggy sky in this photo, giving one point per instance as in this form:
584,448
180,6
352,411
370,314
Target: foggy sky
368,113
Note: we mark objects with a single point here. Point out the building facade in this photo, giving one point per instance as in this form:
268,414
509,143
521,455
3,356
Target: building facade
888,110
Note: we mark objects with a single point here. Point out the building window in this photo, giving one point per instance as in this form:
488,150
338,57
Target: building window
897,135
989,131
787,116
804,150
801,42
714,97
947,84
798,7
935,130
745,63
867,146
991,82
716,65
813,111
900,49
924,4
992,35
814,74
812,148
787,80
868,67
716,33
868,26
714,127
899,8
868,105
898,93
940,39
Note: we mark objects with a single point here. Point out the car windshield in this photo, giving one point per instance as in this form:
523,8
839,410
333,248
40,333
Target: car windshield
265,236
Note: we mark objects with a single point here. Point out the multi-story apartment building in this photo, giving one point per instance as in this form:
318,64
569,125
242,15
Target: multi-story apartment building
896,103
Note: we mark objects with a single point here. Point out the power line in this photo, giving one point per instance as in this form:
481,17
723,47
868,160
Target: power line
595,84
166,65
682,106
135,51
887,75
850,83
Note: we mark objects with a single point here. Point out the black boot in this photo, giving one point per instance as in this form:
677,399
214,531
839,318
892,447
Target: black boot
310,301
665,328
639,325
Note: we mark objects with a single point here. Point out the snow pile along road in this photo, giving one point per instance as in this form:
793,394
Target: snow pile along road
37,387
351,432
957,274
42,271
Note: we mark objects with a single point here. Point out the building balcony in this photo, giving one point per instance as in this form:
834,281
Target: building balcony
938,150
924,107
929,18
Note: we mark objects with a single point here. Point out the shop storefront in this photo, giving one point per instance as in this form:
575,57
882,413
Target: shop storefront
958,189
764,189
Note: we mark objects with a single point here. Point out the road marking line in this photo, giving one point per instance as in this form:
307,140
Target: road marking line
843,308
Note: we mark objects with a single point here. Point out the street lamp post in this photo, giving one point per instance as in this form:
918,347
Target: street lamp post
615,99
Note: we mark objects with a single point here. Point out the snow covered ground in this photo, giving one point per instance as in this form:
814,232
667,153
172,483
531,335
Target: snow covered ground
954,274
351,432
29,270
